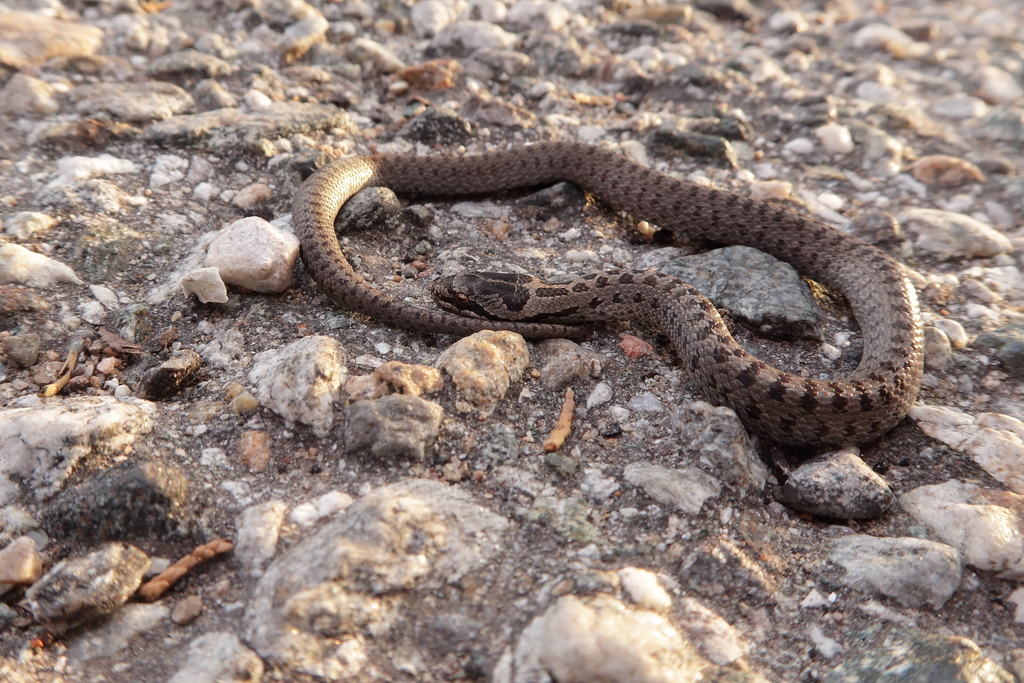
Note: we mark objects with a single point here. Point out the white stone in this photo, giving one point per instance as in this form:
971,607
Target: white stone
644,589
20,564
256,100
893,40
430,16
301,381
685,488
254,254
879,93
538,14
257,528
167,169
73,169
814,600
716,638
19,265
635,151
27,224
92,312
308,514
219,657
105,296
596,486
1016,598
975,522
590,133
206,284
835,138
799,146
954,330
599,395
959,106
826,647
997,86
790,21
646,402
473,35
602,640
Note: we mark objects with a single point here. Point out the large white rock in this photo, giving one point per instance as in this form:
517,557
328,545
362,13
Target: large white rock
254,254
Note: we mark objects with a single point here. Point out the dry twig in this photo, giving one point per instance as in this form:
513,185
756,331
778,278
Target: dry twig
155,587
564,424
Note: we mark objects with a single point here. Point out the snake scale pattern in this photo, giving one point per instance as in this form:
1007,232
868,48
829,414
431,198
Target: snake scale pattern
783,408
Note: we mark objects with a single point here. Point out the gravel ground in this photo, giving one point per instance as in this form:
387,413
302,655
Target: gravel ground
391,510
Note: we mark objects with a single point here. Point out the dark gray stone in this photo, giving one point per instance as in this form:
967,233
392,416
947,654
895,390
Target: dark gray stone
670,139
393,427
190,62
171,376
840,485
369,209
21,349
136,500
103,248
1007,343
84,588
755,288
558,196
918,657
500,447
438,125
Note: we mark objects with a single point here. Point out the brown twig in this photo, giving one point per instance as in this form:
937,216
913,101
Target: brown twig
155,587
65,371
564,424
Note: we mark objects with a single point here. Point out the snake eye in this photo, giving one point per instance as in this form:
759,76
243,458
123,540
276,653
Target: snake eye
461,298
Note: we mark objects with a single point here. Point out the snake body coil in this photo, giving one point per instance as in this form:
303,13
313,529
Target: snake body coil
778,406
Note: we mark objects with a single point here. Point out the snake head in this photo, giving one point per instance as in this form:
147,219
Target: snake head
493,296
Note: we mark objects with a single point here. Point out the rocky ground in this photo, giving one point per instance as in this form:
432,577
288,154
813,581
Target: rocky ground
350,501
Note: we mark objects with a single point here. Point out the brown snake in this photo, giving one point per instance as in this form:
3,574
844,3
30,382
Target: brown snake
783,408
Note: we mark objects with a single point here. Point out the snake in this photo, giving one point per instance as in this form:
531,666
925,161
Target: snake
784,408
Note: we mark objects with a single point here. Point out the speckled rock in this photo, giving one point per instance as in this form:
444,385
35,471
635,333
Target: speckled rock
393,427
482,366
840,485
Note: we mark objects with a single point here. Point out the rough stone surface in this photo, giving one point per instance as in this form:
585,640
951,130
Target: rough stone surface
838,484
393,427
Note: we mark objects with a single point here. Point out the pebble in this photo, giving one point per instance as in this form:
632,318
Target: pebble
995,86
482,366
463,37
308,514
835,138
839,485
985,526
943,170
938,350
716,436
257,529
366,563
1007,344
954,331
77,429
206,284
395,377
254,254
302,380
947,235
914,572
716,638
566,361
644,589
394,427
25,95
685,489
187,610
601,393
20,564
86,587
995,441
646,402
115,635
959,106
219,657
25,225
21,349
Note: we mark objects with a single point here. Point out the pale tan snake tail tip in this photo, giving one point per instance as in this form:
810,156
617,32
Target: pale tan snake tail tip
783,408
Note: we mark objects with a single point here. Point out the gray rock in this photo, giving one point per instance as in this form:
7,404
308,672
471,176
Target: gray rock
170,377
730,10
83,588
716,436
219,657
393,427
919,657
912,571
190,62
937,349
501,446
137,102
104,247
95,196
558,196
359,572
210,95
754,287
946,234
565,361
565,465
1007,344
369,209
669,139
684,489
230,128
559,54
1003,125
137,500
840,485
21,349
438,125
114,635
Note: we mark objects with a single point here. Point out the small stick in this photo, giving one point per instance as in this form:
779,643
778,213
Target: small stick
155,587
69,367
564,424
